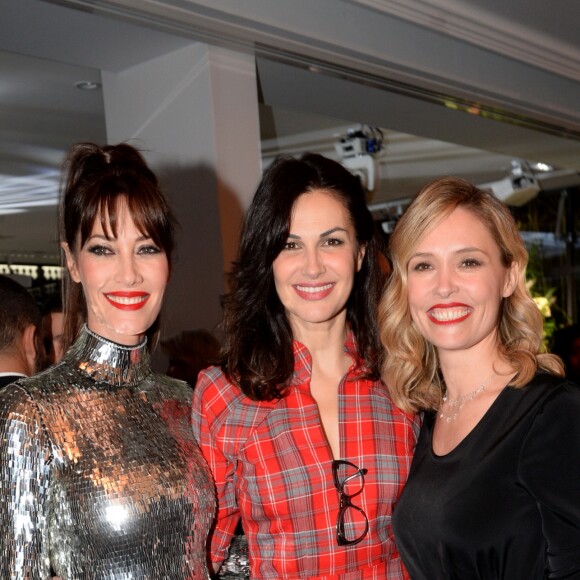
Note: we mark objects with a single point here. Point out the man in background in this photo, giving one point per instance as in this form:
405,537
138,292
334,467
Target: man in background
19,323
52,326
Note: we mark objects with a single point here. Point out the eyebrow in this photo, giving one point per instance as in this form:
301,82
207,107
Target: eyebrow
467,250
108,239
323,234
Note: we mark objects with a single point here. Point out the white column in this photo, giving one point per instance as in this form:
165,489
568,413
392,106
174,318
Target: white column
195,113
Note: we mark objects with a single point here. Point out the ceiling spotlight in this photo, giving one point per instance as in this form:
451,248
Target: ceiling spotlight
88,85
358,149
518,188
541,167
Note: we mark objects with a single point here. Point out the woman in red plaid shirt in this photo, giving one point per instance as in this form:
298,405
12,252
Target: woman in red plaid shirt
305,445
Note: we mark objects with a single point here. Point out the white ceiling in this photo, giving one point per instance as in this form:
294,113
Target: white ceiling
46,46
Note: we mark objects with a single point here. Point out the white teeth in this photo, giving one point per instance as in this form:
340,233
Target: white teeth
125,299
448,314
314,289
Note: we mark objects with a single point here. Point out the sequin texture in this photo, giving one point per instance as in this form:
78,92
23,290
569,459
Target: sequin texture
100,475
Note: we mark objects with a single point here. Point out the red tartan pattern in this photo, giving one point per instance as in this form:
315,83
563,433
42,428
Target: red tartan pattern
272,466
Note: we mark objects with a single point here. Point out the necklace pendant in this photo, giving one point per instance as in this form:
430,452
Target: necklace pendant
447,418
456,405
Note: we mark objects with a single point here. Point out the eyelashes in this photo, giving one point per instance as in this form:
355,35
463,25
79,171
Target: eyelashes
151,250
420,267
471,263
104,250
99,250
331,242
465,264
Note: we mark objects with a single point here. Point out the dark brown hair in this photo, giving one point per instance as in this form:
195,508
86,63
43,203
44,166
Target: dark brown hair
258,351
98,179
18,310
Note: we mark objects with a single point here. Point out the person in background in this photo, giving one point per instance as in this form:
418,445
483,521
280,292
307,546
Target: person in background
101,476
494,487
19,324
303,440
52,329
189,352
566,344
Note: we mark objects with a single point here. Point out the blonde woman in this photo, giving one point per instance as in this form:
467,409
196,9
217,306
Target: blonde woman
494,486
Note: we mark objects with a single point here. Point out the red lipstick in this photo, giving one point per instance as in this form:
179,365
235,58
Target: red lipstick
441,313
127,300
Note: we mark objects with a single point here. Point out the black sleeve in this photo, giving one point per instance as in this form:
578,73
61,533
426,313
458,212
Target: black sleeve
550,470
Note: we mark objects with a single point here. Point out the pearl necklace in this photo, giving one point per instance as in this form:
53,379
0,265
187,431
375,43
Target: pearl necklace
456,405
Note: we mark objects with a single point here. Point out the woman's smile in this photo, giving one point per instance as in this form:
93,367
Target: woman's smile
449,313
127,300
313,291
314,273
123,277
456,283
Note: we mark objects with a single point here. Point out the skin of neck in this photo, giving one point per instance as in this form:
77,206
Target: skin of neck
465,370
14,361
324,340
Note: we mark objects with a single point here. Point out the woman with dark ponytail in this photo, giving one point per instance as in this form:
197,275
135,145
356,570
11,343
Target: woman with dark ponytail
101,476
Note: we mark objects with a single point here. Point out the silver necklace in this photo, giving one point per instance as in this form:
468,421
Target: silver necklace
456,405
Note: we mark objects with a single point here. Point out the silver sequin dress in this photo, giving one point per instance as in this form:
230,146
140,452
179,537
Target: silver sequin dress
100,475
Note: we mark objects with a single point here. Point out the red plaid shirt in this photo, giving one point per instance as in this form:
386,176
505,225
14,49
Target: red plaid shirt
272,467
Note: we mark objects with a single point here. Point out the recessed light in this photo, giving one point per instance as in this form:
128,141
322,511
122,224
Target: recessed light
542,167
88,85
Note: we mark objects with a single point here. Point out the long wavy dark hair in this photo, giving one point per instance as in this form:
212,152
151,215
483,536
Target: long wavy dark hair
258,352
97,180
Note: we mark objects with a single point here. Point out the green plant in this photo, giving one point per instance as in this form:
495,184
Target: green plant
544,295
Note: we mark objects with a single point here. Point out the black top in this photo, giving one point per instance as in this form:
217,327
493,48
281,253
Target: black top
505,503
8,380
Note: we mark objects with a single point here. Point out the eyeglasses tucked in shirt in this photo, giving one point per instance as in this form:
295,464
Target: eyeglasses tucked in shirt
349,480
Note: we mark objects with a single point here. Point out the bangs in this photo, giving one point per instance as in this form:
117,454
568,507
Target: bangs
147,209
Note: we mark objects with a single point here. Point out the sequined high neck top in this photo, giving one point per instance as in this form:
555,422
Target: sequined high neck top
101,478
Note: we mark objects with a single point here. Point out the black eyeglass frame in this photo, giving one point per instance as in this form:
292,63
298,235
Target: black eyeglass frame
345,501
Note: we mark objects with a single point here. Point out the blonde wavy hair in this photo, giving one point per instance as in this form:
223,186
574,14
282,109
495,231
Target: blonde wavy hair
411,366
